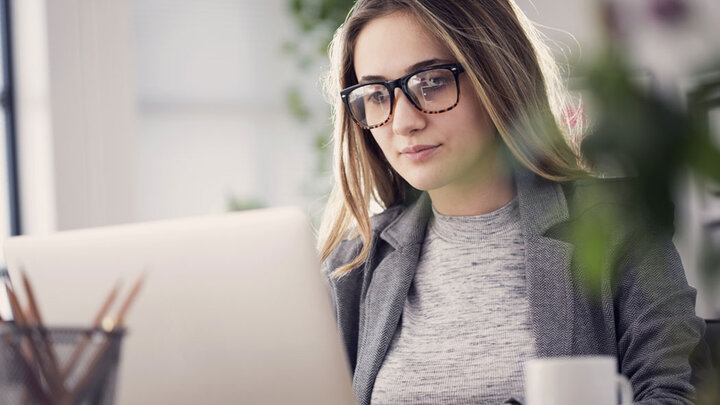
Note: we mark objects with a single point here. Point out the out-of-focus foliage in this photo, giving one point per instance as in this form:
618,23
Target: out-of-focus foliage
235,203
656,141
648,135
316,22
296,105
312,15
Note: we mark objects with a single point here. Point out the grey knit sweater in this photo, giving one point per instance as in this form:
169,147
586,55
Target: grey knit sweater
465,329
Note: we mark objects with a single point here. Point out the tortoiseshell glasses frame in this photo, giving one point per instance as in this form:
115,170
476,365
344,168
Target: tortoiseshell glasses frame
402,83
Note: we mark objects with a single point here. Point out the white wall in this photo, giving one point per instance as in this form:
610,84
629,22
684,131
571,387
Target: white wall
76,132
139,110
570,26
212,117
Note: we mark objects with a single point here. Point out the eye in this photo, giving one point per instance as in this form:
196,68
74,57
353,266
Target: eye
377,97
430,85
434,82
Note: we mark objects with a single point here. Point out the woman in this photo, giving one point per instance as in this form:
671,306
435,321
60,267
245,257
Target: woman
448,116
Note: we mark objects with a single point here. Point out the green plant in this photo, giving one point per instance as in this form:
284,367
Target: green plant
235,203
316,22
650,136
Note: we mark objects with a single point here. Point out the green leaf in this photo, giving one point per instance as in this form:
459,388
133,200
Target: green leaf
296,105
235,203
290,47
296,6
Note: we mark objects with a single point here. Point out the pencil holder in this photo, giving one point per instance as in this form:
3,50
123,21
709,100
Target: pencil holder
58,366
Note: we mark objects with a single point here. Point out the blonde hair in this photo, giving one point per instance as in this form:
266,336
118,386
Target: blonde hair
512,73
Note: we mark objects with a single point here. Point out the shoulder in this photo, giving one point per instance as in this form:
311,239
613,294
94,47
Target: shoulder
611,206
614,218
352,244
595,194
616,201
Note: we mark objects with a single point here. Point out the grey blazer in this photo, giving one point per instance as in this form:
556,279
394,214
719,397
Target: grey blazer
645,317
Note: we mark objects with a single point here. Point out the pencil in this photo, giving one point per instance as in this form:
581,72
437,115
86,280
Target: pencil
120,318
82,344
35,311
92,370
47,371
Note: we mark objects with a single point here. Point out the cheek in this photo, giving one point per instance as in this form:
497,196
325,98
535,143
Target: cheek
383,140
470,102
472,113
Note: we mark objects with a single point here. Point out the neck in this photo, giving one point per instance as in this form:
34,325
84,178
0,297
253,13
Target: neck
483,194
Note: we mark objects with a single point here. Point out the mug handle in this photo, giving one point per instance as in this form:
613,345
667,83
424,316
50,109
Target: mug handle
626,393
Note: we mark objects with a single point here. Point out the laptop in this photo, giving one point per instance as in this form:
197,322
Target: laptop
234,308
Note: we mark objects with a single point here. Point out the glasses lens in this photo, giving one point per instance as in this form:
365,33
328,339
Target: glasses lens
433,90
370,104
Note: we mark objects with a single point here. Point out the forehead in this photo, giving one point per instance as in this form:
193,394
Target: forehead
388,45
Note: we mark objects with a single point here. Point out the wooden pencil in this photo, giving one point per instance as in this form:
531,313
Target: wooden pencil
82,344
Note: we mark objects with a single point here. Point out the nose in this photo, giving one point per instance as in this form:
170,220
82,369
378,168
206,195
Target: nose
406,118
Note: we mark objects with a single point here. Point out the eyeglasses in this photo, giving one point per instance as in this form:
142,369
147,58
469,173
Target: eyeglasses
432,90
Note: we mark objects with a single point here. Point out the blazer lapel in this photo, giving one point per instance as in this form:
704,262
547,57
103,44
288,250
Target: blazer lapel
547,264
386,294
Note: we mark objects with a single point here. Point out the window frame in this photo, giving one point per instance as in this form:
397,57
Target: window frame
7,102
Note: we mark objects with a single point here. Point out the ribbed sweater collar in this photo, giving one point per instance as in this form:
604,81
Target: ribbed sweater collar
476,228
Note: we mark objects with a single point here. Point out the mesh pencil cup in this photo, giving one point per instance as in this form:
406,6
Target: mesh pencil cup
58,366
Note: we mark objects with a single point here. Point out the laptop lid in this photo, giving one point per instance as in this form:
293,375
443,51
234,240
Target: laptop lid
233,310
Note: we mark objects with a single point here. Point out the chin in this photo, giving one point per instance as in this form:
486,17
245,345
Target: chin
424,184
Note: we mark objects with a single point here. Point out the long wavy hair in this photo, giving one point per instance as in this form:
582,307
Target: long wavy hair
513,73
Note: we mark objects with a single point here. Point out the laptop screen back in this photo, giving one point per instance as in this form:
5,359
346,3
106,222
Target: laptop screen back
233,309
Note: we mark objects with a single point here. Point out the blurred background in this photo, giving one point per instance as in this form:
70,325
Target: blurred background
134,110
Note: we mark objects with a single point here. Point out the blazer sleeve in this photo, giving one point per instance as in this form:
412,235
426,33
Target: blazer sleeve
345,296
657,328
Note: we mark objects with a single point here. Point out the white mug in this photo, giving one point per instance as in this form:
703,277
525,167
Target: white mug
587,380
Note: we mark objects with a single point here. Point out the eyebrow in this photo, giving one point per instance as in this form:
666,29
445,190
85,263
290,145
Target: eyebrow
411,68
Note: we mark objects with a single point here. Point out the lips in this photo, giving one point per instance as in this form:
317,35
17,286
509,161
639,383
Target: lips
418,153
417,148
